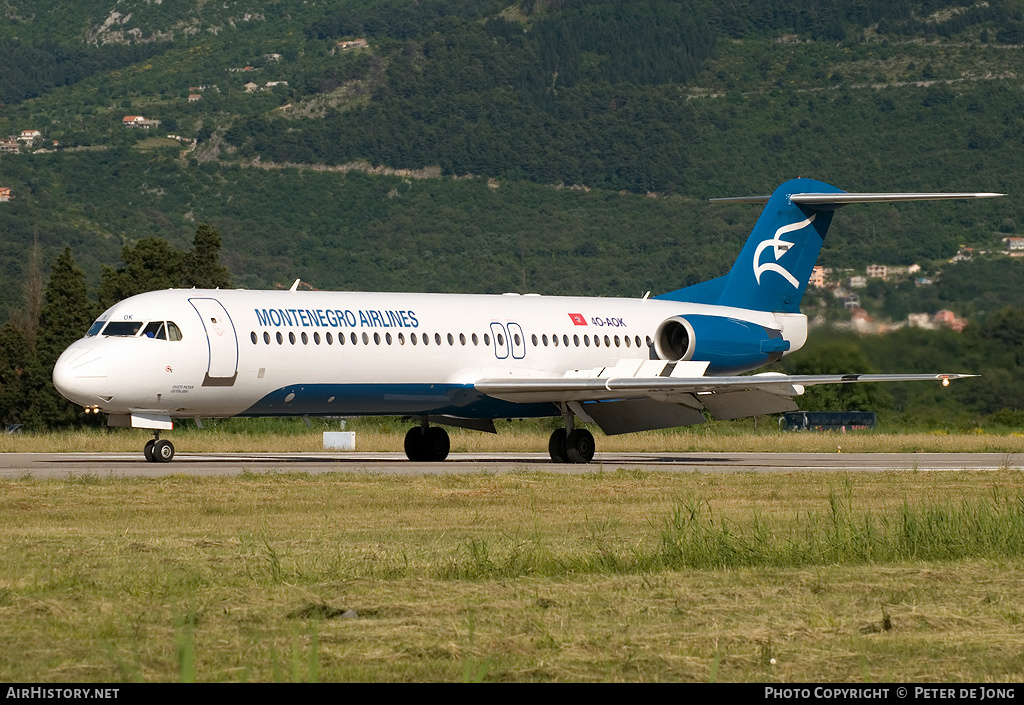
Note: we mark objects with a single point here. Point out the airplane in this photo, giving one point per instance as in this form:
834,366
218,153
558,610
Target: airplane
623,364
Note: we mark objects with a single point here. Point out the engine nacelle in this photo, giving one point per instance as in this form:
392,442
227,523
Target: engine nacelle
728,344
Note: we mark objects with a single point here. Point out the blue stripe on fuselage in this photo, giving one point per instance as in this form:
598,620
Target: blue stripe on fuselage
391,400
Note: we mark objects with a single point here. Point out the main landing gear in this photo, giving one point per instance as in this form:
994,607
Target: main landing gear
569,444
427,443
157,451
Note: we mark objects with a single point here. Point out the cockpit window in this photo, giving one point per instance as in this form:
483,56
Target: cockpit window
155,329
122,329
94,329
161,330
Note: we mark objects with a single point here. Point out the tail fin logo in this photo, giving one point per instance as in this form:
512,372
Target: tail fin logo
779,248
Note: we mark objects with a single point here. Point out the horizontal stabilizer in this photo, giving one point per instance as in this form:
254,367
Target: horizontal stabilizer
831,201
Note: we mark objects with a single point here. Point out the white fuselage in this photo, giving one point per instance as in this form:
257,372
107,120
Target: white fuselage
269,353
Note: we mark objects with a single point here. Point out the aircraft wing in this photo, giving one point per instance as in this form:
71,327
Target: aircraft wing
598,389
665,395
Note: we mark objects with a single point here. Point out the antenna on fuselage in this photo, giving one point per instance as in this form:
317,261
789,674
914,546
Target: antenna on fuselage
295,286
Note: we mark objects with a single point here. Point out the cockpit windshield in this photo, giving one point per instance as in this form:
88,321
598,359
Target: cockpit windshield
158,330
122,329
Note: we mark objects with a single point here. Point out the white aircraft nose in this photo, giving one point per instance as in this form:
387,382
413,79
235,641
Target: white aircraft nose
80,375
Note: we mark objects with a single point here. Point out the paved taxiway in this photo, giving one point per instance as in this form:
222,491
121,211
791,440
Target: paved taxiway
59,465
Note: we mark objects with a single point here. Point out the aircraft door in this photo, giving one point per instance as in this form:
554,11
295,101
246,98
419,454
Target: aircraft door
221,341
500,341
517,340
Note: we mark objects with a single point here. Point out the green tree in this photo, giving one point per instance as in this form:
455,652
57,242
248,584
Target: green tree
67,309
65,317
202,267
149,265
19,374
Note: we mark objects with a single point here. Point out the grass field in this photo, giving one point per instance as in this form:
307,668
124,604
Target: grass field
607,576
283,436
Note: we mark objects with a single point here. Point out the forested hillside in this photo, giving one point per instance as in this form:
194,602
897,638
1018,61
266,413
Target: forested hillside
551,146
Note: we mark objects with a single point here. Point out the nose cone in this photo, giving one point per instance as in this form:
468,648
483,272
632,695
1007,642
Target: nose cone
80,375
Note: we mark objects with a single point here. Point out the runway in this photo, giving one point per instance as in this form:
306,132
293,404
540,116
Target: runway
64,465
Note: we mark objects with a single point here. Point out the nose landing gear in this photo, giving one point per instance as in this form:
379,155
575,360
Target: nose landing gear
157,451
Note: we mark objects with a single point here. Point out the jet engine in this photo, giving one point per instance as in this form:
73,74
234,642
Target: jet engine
729,345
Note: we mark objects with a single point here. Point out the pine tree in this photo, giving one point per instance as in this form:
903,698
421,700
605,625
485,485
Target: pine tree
67,309
149,265
202,268
19,372
66,316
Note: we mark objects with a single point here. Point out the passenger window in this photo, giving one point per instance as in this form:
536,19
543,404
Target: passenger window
330,339
316,338
254,338
565,340
305,339
291,338
607,342
462,338
476,341
401,338
354,339
451,339
266,337
575,339
437,338
280,338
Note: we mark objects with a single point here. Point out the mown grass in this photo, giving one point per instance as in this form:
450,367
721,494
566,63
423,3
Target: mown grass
241,436
524,576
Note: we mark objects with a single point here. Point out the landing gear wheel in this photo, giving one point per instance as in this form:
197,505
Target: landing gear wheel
163,451
415,445
427,445
148,451
437,444
556,446
580,446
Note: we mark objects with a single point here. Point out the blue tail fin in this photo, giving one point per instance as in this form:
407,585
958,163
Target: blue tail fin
773,269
